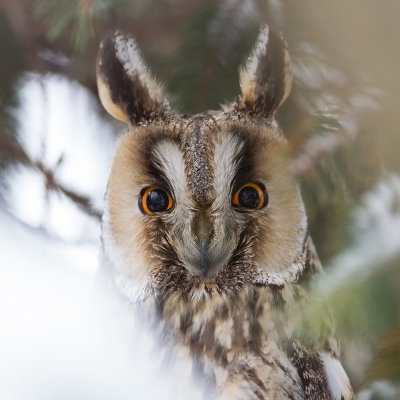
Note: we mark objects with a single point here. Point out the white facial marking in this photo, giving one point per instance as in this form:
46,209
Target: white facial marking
170,161
225,158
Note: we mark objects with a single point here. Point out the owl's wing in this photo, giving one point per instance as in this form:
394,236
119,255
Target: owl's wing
267,374
338,381
322,374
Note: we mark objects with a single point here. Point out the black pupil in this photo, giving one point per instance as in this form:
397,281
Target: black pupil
157,200
249,197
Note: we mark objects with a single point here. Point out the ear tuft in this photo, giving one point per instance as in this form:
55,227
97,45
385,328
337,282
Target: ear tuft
126,88
266,78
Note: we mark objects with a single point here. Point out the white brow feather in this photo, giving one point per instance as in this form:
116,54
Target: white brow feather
226,159
170,161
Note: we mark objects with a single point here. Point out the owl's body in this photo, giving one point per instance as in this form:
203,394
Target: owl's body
205,229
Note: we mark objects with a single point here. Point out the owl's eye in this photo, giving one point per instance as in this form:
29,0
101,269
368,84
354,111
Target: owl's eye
251,195
154,200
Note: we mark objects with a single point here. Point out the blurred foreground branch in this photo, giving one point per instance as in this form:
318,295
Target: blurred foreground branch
317,148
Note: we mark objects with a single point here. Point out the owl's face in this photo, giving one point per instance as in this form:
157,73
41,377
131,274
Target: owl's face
204,202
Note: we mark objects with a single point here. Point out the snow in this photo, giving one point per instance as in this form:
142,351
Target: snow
62,339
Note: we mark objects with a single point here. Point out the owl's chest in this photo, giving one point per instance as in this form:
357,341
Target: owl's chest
233,343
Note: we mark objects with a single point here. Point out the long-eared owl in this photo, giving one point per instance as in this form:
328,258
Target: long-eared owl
205,230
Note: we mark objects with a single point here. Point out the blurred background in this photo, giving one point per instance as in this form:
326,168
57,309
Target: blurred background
56,145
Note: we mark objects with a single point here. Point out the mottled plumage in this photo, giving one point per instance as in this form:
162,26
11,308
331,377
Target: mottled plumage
205,230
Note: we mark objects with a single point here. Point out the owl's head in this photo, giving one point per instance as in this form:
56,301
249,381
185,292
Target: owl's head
203,203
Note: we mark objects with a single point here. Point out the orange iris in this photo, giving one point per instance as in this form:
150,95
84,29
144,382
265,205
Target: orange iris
251,195
154,200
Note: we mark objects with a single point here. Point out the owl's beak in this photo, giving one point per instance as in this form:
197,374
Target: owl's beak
210,245
203,231
204,258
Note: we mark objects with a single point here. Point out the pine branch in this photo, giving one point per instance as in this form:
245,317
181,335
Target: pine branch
19,155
